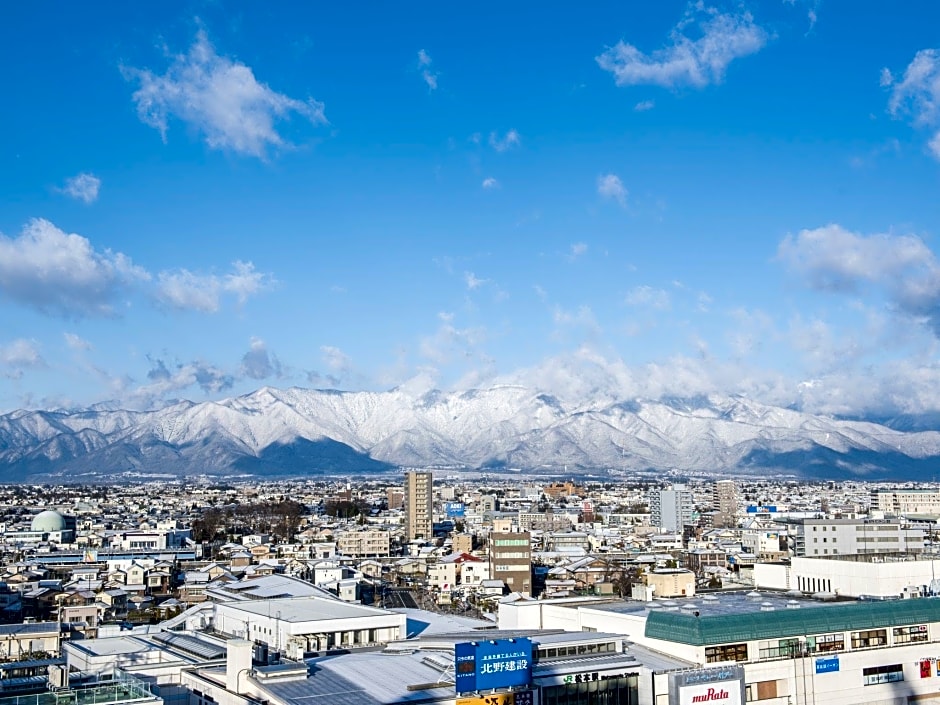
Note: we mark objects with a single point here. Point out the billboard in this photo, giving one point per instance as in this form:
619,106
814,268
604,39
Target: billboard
494,663
454,510
722,686
827,665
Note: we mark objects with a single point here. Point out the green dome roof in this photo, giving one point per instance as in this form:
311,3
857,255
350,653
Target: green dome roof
48,521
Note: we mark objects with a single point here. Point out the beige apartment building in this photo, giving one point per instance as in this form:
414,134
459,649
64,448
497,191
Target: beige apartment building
369,543
419,496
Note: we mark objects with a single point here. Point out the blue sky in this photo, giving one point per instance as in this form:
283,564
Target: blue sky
635,200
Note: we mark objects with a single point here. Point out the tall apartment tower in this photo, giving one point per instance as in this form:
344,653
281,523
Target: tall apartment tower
418,504
726,503
511,560
671,509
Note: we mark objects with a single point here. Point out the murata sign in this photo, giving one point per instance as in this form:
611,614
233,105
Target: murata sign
724,694
711,686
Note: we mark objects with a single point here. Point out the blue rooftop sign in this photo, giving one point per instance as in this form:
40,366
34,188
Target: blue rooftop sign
827,665
454,510
493,663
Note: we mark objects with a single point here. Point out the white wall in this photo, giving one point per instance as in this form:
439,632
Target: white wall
854,578
772,576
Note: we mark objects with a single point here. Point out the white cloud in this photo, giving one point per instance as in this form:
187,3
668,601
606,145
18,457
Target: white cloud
83,187
449,342
648,297
259,363
167,379
245,281
610,186
917,94
934,145
185,290
753,328
219,97
336,360
62,274
508,141
472,281
20,355
902,266
644,105
490,183
581,319
424,65
589,378
76,342
697,62
577,249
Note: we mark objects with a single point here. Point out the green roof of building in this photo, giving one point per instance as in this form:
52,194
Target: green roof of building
708,630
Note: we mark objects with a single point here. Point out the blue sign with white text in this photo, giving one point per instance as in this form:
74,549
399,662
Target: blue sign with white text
827,665
454,509
494,663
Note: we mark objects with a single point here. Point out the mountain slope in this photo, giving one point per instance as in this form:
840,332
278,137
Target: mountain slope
300,431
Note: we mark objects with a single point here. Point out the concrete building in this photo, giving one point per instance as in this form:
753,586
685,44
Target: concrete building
764,544
299,625
363,544
841,537
871,576
670,582
741,648
567,669
901,502
395,498
19,641
48,525
725,503
511,560
419,498
461,543
671,509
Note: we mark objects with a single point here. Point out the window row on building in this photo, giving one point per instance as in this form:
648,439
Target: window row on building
816,644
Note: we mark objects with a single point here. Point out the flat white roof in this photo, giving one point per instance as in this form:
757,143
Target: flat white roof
305,609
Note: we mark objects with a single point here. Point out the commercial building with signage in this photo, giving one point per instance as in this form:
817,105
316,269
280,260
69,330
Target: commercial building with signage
511,560
564,669
771,649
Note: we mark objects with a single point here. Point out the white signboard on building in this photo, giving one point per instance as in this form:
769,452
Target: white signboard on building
707,686
726,693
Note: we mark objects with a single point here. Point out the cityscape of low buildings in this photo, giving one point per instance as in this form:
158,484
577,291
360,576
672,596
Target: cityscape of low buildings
634,585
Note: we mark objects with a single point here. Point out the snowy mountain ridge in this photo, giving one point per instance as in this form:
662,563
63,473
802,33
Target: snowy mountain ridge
302,431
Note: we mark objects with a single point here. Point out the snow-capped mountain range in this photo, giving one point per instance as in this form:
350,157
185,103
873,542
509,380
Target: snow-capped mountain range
301,431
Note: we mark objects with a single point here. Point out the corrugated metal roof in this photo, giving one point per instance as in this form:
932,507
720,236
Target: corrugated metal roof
727,629
33,628
363,679
35,663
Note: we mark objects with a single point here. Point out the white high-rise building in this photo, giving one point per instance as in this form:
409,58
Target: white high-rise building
671,509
